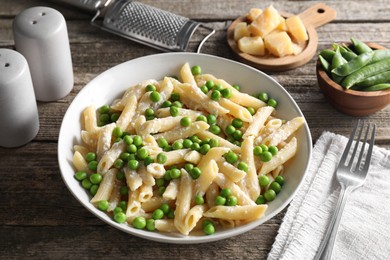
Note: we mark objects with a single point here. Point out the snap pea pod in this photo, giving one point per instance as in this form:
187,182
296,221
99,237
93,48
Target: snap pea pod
337,61
346,53
380,55
360,47
365,72
383,77
327,55
377,87
325,64
353,65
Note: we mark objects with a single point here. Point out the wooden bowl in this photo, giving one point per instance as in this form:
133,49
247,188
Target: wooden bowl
313,17
352,102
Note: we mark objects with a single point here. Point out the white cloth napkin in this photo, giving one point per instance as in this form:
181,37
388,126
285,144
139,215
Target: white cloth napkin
364,231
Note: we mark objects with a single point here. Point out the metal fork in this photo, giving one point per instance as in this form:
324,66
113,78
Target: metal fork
350,177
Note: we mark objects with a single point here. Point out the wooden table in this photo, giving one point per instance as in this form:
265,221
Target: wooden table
39,218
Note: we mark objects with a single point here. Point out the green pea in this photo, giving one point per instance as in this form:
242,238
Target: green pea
263,96
273,149
230,129
117,210
264,147
251,110
275,186
209,84
353,65
104,119
149,112
211,119
80,175
132,148
260,200
120,176
185,121
237,123
195,139
266,156
188,167
269,195
237,135
162,142
166,103
137,140
103,205
272,102
218,87
139,222
128,140
177,104
360,47
174,111
243,166
125,156
214,143
92,165
201,118
175,173
279,179
215,95
148,160
86,184
209,229
160,182
117,132
133,164
231,157
195,146
220,201
263,181
175,96
114,117
155,96
195,173
215,129
237,87
142,153
225,192
124,190
150,226
118,163
157,214
104,109
231,201
177,145
204,89
161,158
150,87
123,205
90,157
165,208
93,190
168,148
171,214
206,222
199,200
257,150
365,72
120,217
196,70
226,93
204,149
95,178
187,143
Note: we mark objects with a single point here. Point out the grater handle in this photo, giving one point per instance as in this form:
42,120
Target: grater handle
88,5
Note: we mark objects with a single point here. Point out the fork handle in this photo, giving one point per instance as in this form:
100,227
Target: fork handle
326,247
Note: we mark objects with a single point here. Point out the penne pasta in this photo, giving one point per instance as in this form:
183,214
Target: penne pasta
247,213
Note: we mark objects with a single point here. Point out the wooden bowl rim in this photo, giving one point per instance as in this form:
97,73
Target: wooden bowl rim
330,83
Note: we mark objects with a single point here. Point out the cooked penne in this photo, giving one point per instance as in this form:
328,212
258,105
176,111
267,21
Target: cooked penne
193,114
109,157
158,125
176,156
230,171
259,119
250,181
80,163
193,157
242,197
186,74
236,110
183,132
192,218
222,141
171,191
285,131
209,172
247,212
183,201
165,225
105,187
126,117
90,120
104,140
133,180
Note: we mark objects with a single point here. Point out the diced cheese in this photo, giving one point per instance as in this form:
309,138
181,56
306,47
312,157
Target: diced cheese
252,45
278,44
282,25
265,23
297,29
240,31
297,48
253,13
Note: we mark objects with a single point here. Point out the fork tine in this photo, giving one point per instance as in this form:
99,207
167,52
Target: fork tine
356,145
348,146
370,148
362,148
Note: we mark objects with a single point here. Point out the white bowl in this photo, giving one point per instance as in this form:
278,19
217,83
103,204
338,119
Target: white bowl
112,83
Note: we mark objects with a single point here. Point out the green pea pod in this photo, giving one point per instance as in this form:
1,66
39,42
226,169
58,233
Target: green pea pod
325,64
365,72
380,55
327,55
337,61
378,87
345,51
374,80
360,47
353,65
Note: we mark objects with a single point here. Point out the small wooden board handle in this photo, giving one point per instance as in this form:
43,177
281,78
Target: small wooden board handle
318,15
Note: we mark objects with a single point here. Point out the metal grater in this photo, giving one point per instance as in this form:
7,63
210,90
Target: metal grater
143,23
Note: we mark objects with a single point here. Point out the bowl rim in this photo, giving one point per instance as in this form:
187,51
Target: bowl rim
330,83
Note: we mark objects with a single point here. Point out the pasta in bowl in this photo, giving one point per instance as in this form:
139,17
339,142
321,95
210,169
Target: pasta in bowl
183,151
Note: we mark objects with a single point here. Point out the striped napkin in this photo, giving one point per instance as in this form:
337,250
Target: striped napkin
364,231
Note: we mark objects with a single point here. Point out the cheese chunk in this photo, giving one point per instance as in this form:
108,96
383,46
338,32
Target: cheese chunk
252,45
297,29
240,31
265,23
278,44
253,14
